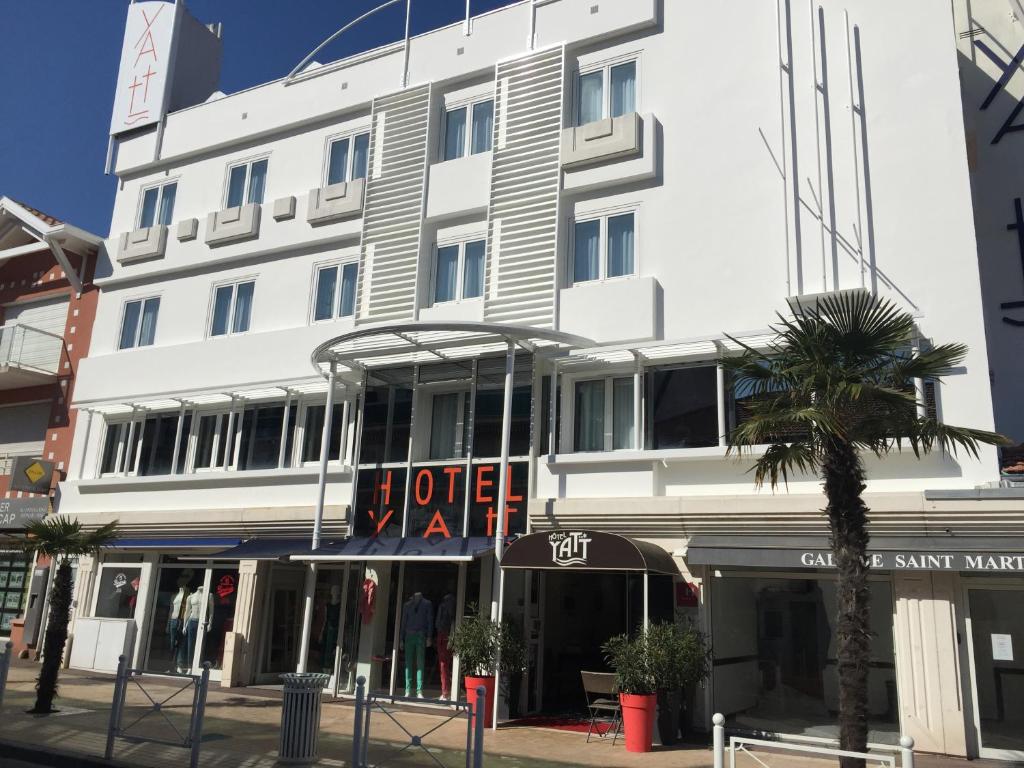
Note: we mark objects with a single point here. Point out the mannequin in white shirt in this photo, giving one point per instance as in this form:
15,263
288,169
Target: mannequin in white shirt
176,629
193,614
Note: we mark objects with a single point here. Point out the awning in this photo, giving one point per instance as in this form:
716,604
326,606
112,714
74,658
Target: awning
586,551
1003,554
260,549
396,548
189,542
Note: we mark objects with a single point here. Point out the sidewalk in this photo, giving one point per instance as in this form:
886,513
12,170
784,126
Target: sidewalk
242,725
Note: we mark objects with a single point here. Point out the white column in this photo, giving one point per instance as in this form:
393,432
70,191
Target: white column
285,425
357,446
638,413
720,383
177,439
409,455
553,410
647,600
470,432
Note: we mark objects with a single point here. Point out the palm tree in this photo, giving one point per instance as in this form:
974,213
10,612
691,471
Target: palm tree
60,539
838,382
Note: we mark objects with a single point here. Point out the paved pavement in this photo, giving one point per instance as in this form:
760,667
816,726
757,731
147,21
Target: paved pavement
242,726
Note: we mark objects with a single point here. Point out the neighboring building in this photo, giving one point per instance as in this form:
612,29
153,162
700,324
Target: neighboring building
524,239
47,305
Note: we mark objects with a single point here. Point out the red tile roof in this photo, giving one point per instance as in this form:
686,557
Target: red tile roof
51,220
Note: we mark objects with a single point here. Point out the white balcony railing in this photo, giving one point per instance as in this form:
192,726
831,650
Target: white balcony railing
29,349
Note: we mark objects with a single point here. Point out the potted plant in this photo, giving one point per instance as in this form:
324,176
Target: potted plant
629,658
680,659
480,645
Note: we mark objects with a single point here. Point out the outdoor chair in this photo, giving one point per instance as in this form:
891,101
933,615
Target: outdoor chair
603,703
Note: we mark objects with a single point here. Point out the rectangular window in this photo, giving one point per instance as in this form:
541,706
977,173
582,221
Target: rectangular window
459,273
261,433
348,158
387,416
158,205
312,433
487,422
246,183
211,441
158,433
447,425
138,323
113,449
335,298
604,247
682,407
596,102
604,414
458,141
232,308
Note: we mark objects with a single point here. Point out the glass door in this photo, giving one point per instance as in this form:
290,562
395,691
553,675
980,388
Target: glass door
996,628
284,625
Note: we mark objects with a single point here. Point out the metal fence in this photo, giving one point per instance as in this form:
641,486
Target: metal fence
165,732
759,752
371,707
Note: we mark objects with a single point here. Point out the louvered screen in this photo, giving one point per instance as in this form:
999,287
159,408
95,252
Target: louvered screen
522,241
394,206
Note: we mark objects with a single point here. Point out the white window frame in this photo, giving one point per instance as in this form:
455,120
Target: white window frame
602,217
605,67
221,416
299,439
609,410
460,421
462,242
351,137
468,105
340,265
138,328
248,163
231,308
123,426
161,186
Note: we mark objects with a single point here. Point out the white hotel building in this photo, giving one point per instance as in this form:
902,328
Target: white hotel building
548,216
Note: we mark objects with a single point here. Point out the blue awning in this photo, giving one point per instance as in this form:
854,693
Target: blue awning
408,548
189,542
264,549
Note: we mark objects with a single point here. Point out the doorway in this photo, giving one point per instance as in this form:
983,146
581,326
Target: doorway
995,621
283,627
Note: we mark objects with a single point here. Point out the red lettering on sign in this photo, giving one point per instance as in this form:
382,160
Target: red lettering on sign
508,487
481,483
437,525
382,522
379,487
145,43
492,517
451,472
421,499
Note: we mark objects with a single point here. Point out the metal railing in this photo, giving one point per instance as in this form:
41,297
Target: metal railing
748,747
33,349
5,667
367,704
198,685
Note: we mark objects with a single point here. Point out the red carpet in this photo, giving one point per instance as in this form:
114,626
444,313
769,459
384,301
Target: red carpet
575,723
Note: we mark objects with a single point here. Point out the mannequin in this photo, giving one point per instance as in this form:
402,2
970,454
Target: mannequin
329,632
444,622
192,616
417,629
176,628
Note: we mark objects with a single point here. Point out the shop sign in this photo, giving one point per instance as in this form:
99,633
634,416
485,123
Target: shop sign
438,500
569,547
17,513
143,75
31,475
882,560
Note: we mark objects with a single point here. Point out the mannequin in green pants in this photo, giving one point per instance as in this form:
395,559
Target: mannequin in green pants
417,629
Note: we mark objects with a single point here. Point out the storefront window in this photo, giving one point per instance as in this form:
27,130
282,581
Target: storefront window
775,657
387,416
326,625
13,566
487,422
997,634
169,649
428,607
220,615
117,595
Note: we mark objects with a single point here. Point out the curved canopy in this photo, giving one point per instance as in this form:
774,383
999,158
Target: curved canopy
394,344
583,550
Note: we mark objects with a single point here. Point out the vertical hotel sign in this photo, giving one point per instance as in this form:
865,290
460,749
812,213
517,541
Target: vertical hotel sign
143,79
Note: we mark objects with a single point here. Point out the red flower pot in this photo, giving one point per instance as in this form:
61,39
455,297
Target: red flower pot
488,704
638,713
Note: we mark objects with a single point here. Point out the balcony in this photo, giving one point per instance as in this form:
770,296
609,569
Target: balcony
28,356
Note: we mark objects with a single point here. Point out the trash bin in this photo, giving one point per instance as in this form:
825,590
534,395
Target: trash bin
300,717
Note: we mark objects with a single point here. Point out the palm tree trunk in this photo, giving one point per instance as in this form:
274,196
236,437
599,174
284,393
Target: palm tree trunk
848,519
56,638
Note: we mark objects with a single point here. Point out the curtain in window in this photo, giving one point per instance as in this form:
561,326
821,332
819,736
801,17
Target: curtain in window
236,186
129,324
473,270
243,307
455,133
443,423
338,162
591,97
167,204
623,89
590,415
622,413
587,251
326,284
483,125
447,273
348,290
620,245
149,198
221,310
257,181
147,333
361,156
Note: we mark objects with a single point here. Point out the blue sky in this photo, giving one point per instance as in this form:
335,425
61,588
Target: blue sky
60,57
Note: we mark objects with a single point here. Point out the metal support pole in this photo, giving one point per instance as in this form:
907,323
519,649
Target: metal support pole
115,708
478,727
638,404
553,411
357,447
647,600
906,752
357,723
466,28
282,460
405,54
410,454
470,433
177,439
198,712
720,385
719,740
506,436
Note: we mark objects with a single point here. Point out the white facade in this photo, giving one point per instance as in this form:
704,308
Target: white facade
747,183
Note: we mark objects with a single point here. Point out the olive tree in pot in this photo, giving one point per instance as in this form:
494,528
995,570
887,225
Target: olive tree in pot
680,659
480,645
637,685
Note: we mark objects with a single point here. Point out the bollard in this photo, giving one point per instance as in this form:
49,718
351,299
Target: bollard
198,710
115,708
357,726
478,727
5,668
718,732
906,752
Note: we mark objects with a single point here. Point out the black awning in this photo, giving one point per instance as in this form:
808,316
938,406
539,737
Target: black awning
456,549
259,549
587,551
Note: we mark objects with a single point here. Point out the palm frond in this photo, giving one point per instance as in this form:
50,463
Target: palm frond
781,460
60,536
